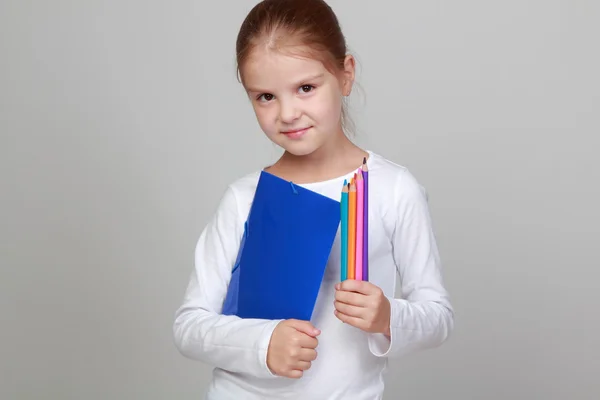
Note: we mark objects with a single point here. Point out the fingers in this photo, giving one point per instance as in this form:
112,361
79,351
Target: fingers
298,372
363,287
350,310
305,341
352,298
303,365
305,359
374,318
304,327
307,355
294,374
354,321
292,348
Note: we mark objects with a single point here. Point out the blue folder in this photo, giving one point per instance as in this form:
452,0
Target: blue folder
286,244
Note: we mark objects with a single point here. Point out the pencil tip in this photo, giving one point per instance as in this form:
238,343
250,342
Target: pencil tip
364,160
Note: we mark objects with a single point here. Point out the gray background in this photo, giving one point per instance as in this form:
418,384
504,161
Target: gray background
122,122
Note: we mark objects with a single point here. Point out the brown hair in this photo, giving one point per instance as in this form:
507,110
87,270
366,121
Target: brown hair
293,23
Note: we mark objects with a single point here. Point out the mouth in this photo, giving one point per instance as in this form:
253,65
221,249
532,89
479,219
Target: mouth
296,133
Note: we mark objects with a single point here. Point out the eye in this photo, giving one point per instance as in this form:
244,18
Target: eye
306,88
265,97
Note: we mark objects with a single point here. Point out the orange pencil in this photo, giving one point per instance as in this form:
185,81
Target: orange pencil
352,230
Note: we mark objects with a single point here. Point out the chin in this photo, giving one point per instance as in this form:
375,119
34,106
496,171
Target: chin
300,149
296,147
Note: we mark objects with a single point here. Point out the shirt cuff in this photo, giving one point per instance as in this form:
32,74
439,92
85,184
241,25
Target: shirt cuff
263,347
380,344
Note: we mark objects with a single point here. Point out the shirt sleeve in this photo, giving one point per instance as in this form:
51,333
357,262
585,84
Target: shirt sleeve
200,331
422,317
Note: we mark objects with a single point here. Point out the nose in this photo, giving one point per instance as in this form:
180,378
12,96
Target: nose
288,111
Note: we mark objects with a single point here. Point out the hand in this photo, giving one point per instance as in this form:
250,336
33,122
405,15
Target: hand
362,305
292,348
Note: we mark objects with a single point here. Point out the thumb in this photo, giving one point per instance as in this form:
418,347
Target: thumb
304,327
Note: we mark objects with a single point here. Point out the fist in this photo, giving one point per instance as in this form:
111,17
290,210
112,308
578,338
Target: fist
362,305
292,348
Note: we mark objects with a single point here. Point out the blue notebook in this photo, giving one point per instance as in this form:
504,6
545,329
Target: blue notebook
287,241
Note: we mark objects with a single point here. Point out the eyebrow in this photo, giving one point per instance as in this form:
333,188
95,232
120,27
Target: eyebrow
298,83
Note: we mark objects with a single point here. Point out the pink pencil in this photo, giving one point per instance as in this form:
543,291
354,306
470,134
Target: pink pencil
359,225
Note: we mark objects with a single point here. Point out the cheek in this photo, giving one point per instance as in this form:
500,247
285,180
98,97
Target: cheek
264,117
329,108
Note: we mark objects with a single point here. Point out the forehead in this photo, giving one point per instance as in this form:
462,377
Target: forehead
269,68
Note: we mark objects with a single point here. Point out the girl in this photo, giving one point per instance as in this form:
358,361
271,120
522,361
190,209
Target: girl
292,62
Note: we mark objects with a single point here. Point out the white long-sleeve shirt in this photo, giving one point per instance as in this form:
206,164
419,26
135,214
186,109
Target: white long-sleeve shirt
350,363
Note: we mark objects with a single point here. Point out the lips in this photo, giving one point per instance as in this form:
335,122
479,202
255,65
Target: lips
296,133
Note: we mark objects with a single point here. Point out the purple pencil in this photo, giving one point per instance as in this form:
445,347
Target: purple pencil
365,263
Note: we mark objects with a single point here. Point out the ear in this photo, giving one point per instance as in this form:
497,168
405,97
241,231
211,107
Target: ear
347,77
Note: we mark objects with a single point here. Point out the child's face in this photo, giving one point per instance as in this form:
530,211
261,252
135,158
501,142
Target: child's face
297,101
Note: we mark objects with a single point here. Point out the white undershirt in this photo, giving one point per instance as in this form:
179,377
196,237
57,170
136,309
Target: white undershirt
350,363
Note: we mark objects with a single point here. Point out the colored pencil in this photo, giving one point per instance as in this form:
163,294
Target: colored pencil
344,232
352,230
365,244
359,225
